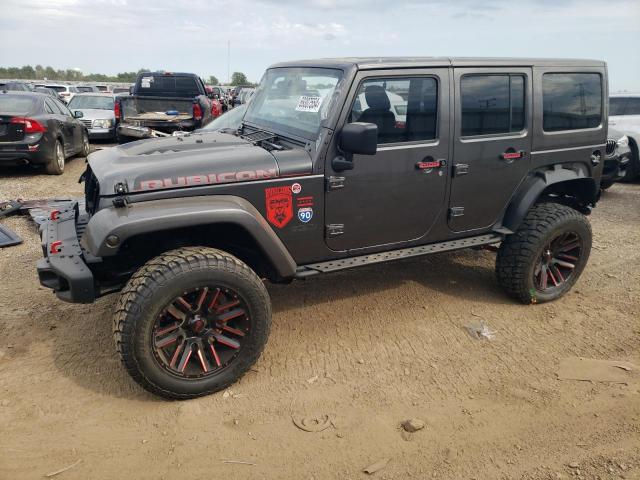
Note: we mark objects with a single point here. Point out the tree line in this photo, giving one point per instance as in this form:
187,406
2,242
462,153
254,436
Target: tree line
39,72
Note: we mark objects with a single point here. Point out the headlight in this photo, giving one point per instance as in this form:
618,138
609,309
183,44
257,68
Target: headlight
623,142
105,123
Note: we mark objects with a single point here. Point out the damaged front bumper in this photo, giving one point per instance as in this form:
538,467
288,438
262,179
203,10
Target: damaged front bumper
63,268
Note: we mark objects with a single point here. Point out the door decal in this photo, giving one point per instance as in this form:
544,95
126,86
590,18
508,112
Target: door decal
279,205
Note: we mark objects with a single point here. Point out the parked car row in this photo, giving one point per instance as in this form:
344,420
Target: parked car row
64,91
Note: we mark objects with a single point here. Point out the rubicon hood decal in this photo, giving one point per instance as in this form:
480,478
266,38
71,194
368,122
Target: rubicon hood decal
170,163
204,179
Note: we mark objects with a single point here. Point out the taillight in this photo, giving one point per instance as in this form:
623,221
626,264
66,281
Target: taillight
197,111
116,110
216,108
30,125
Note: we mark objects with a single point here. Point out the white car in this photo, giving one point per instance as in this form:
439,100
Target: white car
65,92
624,115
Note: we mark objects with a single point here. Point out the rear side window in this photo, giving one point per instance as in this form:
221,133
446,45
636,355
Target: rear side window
571,101
624,106
404,109
492,104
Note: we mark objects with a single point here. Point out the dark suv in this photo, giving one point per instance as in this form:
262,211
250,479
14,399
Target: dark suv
337,163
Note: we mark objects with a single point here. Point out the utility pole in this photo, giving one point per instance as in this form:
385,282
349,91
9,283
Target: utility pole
228,62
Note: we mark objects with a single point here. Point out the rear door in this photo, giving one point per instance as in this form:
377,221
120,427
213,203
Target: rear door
64,124
492,143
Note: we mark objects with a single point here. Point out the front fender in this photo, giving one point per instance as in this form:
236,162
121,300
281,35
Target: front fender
174,213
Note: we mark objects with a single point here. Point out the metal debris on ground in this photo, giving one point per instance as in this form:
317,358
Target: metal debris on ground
8,238
480,330
9,208
62,470
375,467
312,424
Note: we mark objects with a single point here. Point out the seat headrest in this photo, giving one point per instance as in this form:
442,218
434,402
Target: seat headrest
376,97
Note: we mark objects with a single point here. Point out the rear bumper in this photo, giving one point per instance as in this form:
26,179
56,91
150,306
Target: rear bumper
63,268
145,130
21,152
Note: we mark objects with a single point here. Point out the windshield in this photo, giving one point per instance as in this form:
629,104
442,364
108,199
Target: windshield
624,106
296,100
17,105
101,103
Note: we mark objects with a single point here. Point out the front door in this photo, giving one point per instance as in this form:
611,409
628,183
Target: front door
397,194
492,143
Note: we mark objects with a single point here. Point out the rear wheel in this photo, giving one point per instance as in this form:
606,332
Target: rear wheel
86,147
191,322
55,164
546,255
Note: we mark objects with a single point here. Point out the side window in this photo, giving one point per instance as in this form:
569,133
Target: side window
492,104
404,109
571,101
64,110
48,107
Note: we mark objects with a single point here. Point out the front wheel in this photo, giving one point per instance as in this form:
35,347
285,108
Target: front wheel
191,322
544,258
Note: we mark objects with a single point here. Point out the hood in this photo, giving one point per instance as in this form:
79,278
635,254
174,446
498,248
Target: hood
615,134
188,161
95,114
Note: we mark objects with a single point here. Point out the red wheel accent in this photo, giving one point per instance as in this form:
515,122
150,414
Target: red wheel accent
557,261
200,332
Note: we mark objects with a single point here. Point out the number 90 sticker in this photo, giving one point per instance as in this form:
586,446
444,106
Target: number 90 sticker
305,214
309,104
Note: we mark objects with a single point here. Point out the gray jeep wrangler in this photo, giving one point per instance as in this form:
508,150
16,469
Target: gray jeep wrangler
337,163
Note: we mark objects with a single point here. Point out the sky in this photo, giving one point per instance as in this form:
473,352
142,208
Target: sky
111,36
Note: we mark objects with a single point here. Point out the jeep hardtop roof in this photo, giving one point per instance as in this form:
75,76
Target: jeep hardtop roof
371,63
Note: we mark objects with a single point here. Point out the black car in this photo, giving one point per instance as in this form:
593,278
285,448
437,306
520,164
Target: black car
38,129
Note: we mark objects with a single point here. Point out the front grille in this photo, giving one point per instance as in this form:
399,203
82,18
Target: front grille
87,123
611,146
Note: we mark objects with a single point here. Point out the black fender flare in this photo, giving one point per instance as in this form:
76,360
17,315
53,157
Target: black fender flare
537,182
167,214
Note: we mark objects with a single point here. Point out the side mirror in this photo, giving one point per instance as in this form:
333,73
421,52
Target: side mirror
78,114
359,138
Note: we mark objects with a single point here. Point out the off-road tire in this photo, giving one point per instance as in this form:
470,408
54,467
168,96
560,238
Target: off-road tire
166,276
55,163
519,253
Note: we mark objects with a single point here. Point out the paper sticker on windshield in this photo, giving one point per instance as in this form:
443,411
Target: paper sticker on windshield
145,82
309,104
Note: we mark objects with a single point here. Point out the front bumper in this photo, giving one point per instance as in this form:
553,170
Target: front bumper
63,268
615,167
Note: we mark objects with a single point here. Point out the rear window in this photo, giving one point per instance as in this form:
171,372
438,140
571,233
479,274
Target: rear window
571,101
85,89
171,86
57,88
91,101
624,106
17,105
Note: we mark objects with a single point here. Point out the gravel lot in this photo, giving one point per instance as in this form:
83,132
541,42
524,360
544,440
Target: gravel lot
370,348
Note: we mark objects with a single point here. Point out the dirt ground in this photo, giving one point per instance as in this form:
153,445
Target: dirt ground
369,347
